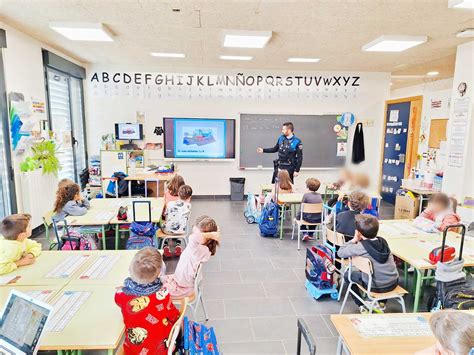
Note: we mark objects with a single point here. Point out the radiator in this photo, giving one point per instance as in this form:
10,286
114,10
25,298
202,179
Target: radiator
38,192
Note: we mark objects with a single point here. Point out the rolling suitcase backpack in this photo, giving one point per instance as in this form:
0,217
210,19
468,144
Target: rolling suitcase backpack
452,289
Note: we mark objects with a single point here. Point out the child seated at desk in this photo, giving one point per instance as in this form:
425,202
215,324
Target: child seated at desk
16,249
440,213
345,221
454,333
344,183
69,202
177,216
203,243
311,196
172,189
147,310
366,244
284,183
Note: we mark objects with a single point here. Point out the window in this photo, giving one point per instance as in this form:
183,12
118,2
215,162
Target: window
66,114
7,186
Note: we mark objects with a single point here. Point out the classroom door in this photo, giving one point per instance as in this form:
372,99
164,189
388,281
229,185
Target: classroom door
397,122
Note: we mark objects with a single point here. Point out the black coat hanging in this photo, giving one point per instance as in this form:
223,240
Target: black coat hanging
358,150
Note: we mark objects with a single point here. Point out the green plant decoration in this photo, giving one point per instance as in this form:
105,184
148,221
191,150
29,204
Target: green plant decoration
44,156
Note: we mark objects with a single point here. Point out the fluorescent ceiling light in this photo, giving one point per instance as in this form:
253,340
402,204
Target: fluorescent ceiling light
432,73
235,57
461,4
168,55
394,43
82,31
466,33
246,39
303,60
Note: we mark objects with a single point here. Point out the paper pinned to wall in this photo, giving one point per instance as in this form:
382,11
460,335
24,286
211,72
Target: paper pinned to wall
393,116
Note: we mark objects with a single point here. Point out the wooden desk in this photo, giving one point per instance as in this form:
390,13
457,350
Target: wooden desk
36,274
48,292
154,181
414,248
97,325
358,345
101,212
284,200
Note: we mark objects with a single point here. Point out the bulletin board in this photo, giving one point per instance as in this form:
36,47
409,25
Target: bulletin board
437,132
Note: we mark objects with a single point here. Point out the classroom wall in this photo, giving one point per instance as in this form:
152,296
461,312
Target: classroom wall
439,90
212,178
23,65
459,181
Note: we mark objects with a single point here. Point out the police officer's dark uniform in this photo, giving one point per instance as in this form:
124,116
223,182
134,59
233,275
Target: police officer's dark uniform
290,155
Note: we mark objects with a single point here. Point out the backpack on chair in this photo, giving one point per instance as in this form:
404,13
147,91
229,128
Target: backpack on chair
141,236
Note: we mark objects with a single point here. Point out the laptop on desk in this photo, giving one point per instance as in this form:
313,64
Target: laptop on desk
22,324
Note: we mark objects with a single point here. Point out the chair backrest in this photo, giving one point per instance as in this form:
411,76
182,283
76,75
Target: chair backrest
48,218
334,237
197,281
174,332
60,226
311,207
363,264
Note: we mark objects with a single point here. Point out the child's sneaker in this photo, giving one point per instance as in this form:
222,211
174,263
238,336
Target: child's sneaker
167,250
306,237
178,249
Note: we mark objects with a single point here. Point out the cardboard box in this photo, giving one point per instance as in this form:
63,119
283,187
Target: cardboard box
406,207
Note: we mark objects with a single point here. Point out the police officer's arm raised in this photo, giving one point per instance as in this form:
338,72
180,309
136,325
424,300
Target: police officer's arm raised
270,150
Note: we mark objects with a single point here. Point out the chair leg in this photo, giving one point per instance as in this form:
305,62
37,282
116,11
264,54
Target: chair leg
339,346
341,288
299,237
345,298
402,303
293,231
204,309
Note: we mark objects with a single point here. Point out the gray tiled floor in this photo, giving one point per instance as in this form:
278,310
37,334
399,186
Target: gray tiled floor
254,288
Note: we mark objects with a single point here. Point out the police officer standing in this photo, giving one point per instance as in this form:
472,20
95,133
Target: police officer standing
290,152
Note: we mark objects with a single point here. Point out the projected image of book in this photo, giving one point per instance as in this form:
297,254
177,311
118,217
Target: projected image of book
199,137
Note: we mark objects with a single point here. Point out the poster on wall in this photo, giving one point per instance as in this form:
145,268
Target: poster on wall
181,86
459,126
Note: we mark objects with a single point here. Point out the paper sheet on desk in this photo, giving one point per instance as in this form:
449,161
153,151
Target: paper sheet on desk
391,326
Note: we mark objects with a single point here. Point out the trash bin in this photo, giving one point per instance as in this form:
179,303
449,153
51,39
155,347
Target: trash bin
237,189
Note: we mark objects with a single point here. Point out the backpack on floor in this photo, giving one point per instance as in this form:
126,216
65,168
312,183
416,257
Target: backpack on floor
253,209
319,267
142,235
269,218
75,241
198,339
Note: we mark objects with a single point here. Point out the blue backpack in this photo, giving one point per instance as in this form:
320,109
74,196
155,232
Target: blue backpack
199,339
269,218
141,236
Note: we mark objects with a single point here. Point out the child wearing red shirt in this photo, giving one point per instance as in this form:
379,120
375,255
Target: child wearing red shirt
147,310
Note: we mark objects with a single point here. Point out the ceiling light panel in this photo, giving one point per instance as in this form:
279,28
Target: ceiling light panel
82,31
394,43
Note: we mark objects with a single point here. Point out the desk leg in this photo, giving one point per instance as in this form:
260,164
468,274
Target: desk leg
339,345
419,281
282,218
422,198
104,243
129,188
405,275
117,227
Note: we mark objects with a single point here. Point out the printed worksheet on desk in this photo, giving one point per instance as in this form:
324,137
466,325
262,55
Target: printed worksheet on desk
68,266
100,267
391,326
65,307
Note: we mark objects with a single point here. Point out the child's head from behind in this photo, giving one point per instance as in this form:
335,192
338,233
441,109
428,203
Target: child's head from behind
366,225
284,179
185,192
146,266
441,202
210,231
16,227
358,201
65,194
313,184
175,183
65,182
454,331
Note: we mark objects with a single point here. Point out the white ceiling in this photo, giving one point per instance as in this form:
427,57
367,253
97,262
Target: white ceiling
333,30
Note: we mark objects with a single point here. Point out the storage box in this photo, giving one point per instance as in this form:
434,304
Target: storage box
406,207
